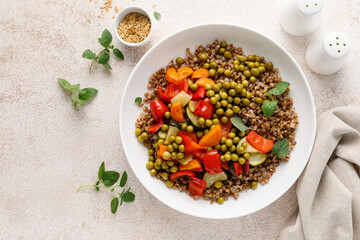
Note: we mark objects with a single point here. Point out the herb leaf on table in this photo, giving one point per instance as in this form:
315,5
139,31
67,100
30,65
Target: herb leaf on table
103,56
157,15
109,178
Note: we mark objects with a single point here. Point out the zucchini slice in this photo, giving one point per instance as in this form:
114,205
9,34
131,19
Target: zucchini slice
210,179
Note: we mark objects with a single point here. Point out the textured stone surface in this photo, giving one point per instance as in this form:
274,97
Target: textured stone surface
47,149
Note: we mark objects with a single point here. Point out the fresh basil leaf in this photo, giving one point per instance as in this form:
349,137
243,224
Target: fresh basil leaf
89,54
128,196
105,43
281,148
123,179
82,102
110,178
118,53
268,107
107,66
87,94
75,86
279,89
101,170
157,15
237,122
114,205
138,100
63,83
104,58
107,36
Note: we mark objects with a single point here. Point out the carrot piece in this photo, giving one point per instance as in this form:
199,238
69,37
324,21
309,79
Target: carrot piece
161,150
193,166
258,142
212,137
172,76
191,135
176,112
200,73
184,72
203,81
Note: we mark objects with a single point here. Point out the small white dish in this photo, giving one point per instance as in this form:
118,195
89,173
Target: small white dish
252,42
120,16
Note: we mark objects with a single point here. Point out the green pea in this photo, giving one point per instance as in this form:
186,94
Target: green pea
224,119
217,96
250,64
223,148
228,72
194,87
223,44
175,145
236,62
222,51
237,100
269,66
245,83
169,106
248,95
208,123
227,157
236,109
219,111
179,60
240,150
226,85
144,136
206,65
180,155
203,57
149,165
227,55
220,70
170,163
164,127
241,58
151,158
236,140
174,169
161,141
153,172
222,158
233,84
241,160
169,183
243,93
230,99
164,165
241,68
236,67
166,155
190,128
216,88
220,200
181,148
138,132
217,105
229,142
184,126
215,121
212,72
234,157
246,156
210,93
171,139
167,114
201,121
229,106
241,134
256,64
250,58
234,130
252,79
246,101
224,103
223,140
247,73
214,116
257,58
231,135
229,112
255,72
259,100
223,95
151,152
178,140
165,175
244,145
232,92
254,185
232,148
217,147
218,184
261,69
213,100
208,87
213,65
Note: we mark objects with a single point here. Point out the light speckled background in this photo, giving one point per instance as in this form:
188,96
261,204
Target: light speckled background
47,149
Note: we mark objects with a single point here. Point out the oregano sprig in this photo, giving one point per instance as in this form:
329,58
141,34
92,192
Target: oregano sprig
103,56
109,178
77,95
268,106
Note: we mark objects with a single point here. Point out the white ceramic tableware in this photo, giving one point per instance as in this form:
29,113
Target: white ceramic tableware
252,42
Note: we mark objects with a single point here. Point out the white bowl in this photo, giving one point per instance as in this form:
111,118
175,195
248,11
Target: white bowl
252,42
120,16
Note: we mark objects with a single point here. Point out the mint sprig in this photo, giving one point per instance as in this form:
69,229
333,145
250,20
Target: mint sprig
281,148
268,106
77,95
103,56
109,178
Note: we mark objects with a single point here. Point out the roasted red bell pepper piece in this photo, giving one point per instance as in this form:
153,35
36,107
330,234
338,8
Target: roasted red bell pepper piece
158,110
205,109
238,169
212,162
225,128
172,90
196,186
246,167
225,165
199,156
258,142
154,128
191,146
198,94
191,135
174,176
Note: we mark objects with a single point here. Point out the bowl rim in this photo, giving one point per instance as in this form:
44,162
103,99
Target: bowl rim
313,110
134,9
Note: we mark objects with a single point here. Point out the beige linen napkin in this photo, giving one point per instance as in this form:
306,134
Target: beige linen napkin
328,190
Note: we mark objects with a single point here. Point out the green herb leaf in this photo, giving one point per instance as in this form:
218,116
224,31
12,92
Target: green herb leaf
281,148
75,86
279,89
97,188
82,102
128,196
89,54
268,107
110,178
138,100
105,43
107,66
157,15
123,179
63,83
238,123
106,35
87,94
101,170
118,53
114,205
104,58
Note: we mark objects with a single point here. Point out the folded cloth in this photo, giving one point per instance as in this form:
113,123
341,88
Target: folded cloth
328,190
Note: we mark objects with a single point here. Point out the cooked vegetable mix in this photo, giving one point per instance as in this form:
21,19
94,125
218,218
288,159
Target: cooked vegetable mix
219,122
